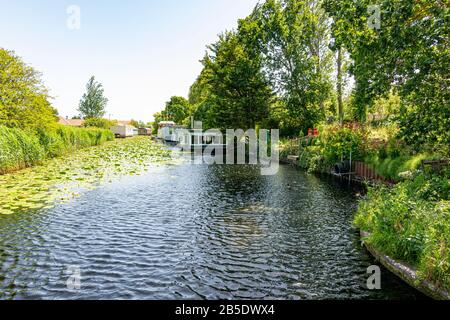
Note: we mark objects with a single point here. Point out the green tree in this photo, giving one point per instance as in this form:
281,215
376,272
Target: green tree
409,54
159,116
200,95
294,39
24,101
93,102
178,109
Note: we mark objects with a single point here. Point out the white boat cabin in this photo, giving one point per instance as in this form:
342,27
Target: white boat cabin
124,131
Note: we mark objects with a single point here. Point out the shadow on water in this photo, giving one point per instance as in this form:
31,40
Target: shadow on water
199,232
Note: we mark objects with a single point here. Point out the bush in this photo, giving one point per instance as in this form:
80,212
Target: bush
409,223
20,149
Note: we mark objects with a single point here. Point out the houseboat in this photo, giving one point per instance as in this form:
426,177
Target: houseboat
124,131
196,140
170,132
145,131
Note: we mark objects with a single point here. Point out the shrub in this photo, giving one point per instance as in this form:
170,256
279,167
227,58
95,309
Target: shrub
99,123
18,149
337,143
24,99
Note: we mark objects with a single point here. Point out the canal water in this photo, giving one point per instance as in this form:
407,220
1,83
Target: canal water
194,232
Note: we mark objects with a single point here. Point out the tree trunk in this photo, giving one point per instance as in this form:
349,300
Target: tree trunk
340,87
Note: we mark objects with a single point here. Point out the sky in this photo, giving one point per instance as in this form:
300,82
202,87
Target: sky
142,51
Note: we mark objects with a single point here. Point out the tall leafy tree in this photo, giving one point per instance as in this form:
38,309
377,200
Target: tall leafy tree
24,101
200,96
93,103
178,109
294,39
240,93
409,54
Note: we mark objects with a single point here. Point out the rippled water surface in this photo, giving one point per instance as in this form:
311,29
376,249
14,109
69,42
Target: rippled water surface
194,232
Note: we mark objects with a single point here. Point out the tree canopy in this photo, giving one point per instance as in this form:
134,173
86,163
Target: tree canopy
24,100
276,68
93,103
178,110
294,64
294,39
239,94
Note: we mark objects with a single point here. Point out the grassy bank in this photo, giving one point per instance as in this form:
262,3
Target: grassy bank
411,222
20,149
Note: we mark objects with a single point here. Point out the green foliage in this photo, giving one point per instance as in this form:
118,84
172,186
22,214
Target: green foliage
53,182
393,168
18,149
23,98
93,102
411,222
333,144
240,93
338,142
231,91
426,127
293,38
21,149
409,53
99,123
178,109
385,108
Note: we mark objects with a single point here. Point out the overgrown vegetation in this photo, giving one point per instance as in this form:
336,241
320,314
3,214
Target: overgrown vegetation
411,222
20,148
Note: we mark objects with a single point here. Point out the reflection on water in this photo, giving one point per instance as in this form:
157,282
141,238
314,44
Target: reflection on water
181,232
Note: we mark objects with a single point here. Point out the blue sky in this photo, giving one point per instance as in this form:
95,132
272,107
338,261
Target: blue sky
142,51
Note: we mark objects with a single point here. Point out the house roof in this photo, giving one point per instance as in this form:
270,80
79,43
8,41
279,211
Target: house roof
80,122
71,122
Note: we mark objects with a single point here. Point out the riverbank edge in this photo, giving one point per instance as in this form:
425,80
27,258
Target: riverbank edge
405,272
